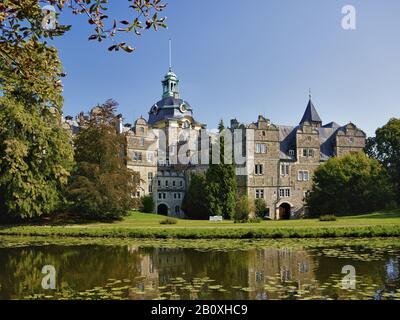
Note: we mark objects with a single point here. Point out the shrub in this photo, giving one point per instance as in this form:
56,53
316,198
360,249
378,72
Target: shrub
147,204
260,208
327,217
243,209
255,220
169,221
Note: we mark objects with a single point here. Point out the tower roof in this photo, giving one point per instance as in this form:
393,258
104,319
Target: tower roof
311,114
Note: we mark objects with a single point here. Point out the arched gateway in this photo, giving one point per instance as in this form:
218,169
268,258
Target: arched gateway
284,211
162,209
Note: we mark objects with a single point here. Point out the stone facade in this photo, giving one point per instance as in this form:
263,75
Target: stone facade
279,161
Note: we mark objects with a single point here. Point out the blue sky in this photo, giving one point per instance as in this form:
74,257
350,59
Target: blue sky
239,59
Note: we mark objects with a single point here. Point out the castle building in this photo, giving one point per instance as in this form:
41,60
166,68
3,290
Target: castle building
279,165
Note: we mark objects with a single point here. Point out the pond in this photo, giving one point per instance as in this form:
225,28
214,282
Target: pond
199,269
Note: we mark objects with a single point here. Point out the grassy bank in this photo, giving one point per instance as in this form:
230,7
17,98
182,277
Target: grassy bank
139,225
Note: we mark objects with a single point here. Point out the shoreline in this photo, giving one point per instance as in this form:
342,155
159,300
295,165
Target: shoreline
381,231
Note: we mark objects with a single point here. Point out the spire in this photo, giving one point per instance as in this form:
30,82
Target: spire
170,55
170,83
311,114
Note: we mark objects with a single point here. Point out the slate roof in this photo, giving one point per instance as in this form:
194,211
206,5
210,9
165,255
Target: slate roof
327,134
287,139
169,108
311,114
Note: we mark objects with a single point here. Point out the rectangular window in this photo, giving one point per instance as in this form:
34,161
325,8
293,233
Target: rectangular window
259,193
150,157
160,196
261,148
137,156
164,196
159,183
166,183
284,192
181,183
258,170
308,152
150,176
303,175
173,183
285,169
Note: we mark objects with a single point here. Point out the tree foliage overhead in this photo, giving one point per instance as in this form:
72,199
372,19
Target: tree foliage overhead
385,147
21,21
101,185
350,184
25,54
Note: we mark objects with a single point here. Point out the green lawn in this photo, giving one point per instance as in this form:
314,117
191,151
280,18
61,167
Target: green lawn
140,225
145,220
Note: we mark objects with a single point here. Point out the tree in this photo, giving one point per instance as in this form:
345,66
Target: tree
35,158
23,20
242,209
350,184
147,204
221,184
101,185
260,208
385,147
195,201
24,53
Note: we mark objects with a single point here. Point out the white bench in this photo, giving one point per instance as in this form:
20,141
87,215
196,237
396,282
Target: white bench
216,218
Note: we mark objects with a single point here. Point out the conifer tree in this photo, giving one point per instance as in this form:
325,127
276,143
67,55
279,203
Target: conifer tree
221,184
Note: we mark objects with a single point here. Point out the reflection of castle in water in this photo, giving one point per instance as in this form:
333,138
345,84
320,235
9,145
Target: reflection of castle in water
157,267
285,265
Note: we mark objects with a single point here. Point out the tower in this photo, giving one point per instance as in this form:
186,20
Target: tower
170,85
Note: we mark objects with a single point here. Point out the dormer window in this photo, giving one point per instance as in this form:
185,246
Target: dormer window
291,153
186,124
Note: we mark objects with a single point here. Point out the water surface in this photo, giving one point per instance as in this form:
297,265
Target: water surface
203,269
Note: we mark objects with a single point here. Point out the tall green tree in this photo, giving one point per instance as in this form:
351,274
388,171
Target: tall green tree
350,184
385,147
221,183
35,156
195,201
101,186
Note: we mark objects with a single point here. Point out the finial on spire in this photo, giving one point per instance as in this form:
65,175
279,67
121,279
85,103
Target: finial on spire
309,93
170,55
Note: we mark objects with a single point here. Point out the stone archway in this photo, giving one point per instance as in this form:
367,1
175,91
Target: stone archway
285,211
162,209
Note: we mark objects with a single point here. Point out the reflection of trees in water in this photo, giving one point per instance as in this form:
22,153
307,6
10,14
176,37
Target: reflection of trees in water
85,267
380,272
80,267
